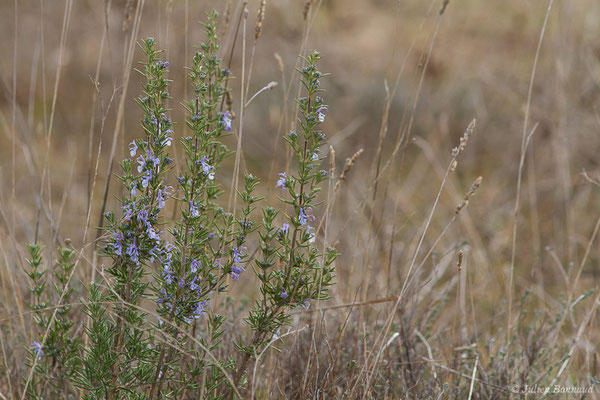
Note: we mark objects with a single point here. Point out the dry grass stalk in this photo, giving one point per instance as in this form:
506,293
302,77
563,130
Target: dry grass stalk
444,5
257,32
279,62
259,19
462,144
331,162
461,257
127,15
269,86
349,164
470,193
524,143
229,104
306,9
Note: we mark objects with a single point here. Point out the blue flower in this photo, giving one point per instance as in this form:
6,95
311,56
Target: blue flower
236,271
167,275
311,236
194,210
282,182
277,334
128,210
132,148
142,162
285,228
207,168
305,304
304,215
226,120
154,253
199,310
237,254
193,284
320,114
161,196
132,252
167,140
118,246
283,294
194,266
146,179
153,158
164,297
37,349
152,234
143,217
169,248
205,165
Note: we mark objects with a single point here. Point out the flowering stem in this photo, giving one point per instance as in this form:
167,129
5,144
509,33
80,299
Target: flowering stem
300,202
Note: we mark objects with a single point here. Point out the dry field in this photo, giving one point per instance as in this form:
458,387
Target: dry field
469,258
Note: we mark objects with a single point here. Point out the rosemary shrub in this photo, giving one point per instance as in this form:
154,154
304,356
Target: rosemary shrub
151,329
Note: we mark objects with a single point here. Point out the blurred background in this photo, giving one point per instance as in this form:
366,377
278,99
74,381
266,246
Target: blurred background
406,80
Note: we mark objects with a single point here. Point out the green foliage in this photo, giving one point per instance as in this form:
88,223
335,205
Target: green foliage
175,347
53,355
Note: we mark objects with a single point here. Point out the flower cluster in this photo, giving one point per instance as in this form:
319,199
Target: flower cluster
208,244
134,241
236,266
36,347
188,304
225,120
282,182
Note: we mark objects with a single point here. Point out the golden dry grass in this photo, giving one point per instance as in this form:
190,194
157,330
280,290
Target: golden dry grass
406,81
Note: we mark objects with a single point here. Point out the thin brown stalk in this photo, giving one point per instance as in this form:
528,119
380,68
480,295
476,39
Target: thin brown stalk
236,169
524,141
95,98
63,40
257,33
121,111
14,112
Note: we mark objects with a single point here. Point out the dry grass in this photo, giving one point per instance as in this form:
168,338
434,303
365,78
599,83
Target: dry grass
435,299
